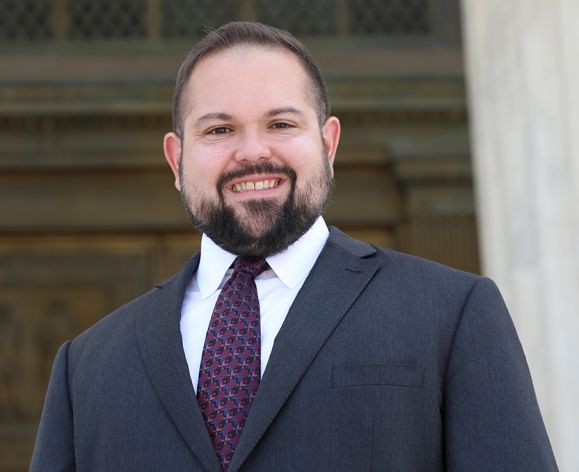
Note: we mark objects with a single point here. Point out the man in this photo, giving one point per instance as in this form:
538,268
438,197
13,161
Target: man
314,352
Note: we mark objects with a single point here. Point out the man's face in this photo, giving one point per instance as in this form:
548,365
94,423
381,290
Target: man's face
253,166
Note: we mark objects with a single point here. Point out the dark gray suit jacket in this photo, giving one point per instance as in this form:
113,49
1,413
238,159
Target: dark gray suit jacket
385,362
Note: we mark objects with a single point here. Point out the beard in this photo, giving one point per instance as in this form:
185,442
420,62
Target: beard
269,227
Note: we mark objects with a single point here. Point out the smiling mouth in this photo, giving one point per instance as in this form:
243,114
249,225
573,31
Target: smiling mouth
258,185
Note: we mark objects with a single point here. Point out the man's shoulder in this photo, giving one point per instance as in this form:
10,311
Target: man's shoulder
399,264
120,324
418,265
123,315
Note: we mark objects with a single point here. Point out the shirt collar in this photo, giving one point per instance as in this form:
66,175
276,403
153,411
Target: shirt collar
215,261
293,264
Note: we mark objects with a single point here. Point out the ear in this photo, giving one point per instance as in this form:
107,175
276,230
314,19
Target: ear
172,149
331,137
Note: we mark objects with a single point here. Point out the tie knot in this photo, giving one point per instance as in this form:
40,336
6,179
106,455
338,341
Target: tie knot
251,265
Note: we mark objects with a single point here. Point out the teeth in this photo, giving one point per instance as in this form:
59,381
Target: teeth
262,184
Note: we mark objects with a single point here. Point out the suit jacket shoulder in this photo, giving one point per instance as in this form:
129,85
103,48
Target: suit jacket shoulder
165,296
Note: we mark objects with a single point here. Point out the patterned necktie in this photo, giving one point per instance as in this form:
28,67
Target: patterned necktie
230,369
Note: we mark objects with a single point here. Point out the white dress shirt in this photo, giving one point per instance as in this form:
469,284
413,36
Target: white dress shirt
276,289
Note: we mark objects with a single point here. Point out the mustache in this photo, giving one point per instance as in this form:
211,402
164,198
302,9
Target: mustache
263,168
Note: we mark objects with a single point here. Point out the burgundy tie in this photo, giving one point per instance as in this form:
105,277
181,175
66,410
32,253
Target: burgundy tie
230,371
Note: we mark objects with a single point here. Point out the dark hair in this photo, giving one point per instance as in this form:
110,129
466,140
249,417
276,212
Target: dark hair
247,33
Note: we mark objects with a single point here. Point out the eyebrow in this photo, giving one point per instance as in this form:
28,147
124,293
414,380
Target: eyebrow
226,117
211,117
284,110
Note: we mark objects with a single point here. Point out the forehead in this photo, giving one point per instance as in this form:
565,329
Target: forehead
252,75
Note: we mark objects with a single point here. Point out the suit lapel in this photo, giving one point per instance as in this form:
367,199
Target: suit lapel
160,344
339,276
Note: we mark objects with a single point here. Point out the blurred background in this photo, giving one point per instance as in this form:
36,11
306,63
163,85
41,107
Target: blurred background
89,217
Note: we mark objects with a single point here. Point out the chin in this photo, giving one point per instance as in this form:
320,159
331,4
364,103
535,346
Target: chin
256,229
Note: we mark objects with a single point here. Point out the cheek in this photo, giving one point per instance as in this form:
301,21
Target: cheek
202,169
312,166
302,155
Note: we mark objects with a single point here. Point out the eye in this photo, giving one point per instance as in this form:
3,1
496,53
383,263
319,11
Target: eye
282,125
219,130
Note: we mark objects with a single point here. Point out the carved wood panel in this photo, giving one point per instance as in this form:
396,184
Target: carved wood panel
53,288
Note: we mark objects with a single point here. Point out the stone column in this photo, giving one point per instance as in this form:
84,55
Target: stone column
522,61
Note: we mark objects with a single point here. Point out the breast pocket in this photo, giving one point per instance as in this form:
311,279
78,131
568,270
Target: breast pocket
388,375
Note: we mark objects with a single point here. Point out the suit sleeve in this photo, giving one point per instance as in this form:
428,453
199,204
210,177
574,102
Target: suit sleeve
492,419
54,447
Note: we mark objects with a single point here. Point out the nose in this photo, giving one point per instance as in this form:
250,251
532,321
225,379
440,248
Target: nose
252,147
